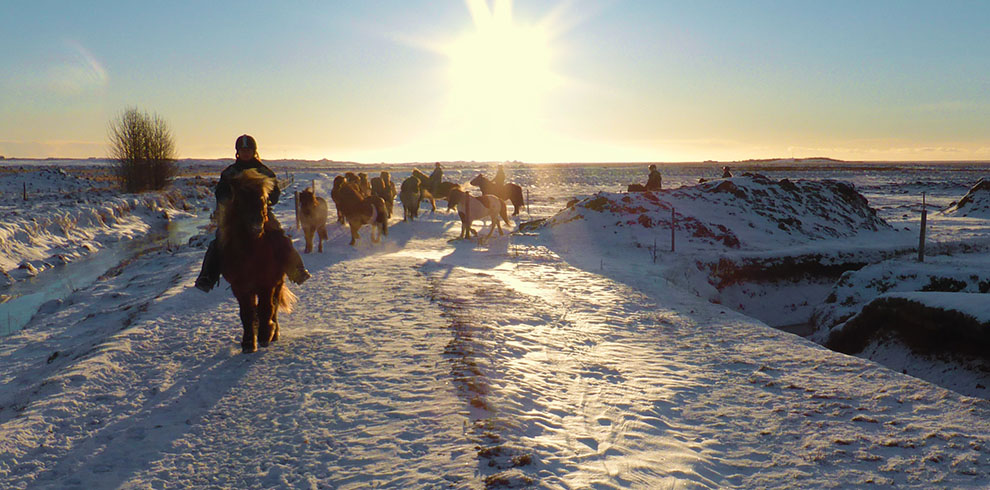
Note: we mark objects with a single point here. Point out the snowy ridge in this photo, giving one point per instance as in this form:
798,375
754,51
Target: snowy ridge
962,274
750,213
975,203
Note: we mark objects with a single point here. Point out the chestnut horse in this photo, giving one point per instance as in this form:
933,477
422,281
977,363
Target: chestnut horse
383,187
255,255
509,192
470,208
313,214
360,210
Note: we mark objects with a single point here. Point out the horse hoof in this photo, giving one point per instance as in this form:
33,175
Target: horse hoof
262,344
247,349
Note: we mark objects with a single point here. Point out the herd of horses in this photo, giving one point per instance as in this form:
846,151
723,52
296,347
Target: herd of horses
361,201
257,251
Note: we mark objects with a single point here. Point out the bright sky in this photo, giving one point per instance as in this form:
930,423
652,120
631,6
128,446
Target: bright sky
536,81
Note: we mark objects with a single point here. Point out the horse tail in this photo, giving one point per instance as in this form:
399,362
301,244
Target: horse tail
286,300
504,211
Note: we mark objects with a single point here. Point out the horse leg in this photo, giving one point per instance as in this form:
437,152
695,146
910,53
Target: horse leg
275,300
354,231
266,305
248,317
309,239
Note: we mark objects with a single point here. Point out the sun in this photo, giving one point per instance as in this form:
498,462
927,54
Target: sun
499,75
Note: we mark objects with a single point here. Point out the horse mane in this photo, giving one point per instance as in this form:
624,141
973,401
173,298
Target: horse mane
251,181
307,196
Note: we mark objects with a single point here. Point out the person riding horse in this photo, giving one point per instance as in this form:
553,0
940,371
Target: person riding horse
247,158
499,179
655,181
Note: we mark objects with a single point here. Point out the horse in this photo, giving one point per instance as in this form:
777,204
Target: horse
470,208
256,253
337,182
509,192
439,190
426,188
384,188
313,214
360,210
411,193
364,184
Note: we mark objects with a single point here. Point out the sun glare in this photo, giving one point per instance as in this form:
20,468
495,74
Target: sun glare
499,77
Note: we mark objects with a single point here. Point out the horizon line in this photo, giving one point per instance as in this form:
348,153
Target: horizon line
630,162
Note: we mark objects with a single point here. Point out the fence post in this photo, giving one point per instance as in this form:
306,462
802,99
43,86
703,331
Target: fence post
924,224
527,204
673,226
25,191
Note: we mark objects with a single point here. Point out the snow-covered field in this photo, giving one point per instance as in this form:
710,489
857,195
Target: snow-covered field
578,352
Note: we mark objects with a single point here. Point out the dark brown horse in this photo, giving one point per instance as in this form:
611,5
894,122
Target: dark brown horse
509,192
360,210
438,189
313,214
255,257
411,193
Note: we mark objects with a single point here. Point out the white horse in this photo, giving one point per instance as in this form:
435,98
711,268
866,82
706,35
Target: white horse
470,208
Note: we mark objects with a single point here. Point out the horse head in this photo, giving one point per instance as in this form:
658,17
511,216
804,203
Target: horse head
249,205
479,180
307,199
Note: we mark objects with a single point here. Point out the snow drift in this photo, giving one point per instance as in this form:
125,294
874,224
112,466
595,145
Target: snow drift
976,202
751,212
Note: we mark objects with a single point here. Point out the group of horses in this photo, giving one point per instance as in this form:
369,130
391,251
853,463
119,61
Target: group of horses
256,251
362,201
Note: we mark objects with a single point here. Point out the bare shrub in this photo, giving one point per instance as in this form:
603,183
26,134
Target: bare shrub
143,150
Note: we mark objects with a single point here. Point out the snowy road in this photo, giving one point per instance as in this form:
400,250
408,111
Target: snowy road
428,364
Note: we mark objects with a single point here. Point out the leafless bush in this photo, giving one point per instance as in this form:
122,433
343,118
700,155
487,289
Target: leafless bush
143,150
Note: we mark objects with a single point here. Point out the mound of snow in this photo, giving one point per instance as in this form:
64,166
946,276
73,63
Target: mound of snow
751,212
855,289
975,203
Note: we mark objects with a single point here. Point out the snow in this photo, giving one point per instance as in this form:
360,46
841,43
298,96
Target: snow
557,357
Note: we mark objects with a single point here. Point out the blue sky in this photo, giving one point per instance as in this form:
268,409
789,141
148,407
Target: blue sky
526,80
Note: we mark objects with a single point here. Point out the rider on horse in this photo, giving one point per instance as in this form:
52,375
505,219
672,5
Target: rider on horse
247,158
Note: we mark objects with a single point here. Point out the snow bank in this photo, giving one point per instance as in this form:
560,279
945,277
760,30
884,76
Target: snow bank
70,214
855,289
975,203
751,212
